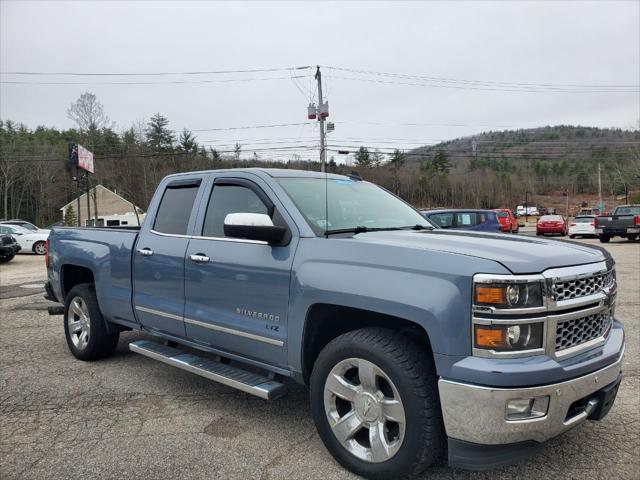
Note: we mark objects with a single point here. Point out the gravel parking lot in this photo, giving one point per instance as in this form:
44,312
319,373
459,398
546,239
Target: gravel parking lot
131,417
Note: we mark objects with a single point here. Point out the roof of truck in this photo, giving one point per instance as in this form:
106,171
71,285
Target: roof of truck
272,172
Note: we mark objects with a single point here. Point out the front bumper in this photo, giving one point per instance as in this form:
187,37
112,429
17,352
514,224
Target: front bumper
476,414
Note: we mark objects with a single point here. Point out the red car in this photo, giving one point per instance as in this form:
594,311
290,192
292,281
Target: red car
551,224
508,220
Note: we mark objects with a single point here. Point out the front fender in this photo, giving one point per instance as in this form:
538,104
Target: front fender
431,289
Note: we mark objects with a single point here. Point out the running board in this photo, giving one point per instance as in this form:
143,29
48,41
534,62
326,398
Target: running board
235,377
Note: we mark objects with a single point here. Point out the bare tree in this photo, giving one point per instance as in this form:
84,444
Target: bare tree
88,113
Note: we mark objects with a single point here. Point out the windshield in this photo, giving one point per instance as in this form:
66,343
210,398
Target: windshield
351,204
627,211
15,229
503,214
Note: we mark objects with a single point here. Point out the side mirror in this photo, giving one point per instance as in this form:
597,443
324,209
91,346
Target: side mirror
253,226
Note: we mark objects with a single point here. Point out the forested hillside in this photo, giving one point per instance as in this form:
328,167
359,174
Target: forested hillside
497,168
492,169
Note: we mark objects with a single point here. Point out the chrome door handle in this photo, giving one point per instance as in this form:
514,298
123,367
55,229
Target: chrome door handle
147,252
199,258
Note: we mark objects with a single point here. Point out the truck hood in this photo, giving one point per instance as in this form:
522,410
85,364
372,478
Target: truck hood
519,254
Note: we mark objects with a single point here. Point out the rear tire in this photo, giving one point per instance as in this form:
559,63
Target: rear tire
40,248
632,238
84,326
572,236
604,238
401,372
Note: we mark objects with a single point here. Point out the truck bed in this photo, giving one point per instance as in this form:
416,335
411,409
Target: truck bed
105,251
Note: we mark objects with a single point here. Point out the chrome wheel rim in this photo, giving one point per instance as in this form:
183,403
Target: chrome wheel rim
79,323
40,248
364,410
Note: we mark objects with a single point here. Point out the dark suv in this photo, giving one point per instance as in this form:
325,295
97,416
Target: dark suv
8,248
478,220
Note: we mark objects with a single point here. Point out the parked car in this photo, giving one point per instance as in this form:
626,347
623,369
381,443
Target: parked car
625,223
23,224
414,340
583,226
479,220
29,241
508,220
551,224
521,211
8,247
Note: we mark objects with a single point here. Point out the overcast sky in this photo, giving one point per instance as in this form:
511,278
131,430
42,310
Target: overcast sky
542,43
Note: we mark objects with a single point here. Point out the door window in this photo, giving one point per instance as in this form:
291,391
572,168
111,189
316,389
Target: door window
226,199
175,209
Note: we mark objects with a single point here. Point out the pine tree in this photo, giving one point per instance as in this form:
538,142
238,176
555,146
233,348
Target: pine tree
159,136
70,218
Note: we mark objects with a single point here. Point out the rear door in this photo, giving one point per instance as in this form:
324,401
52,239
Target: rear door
158,259
237,291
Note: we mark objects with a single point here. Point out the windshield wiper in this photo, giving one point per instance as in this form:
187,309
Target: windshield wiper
363,229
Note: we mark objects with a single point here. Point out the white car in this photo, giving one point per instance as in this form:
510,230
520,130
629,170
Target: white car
35,242
583,226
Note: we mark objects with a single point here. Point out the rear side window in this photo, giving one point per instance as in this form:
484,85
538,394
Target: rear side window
469,219
226,199
175,210
443,220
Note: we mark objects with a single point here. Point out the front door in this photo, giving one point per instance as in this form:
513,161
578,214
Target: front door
158,266
237,291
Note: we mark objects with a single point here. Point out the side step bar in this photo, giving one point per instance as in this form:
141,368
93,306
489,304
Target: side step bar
235,377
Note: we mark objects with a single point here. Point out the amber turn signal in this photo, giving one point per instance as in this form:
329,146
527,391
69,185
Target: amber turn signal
490,295
490,337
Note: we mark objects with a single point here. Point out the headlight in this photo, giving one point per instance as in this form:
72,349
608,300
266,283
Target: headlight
508,295
504,338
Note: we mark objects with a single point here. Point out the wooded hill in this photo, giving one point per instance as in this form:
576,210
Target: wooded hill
495,169
488,170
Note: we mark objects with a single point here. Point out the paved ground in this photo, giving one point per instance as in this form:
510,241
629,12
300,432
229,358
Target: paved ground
131,417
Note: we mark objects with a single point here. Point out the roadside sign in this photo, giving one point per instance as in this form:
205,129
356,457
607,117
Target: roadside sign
80,157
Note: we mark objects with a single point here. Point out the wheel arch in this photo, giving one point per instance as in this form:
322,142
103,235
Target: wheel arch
72,275
325,321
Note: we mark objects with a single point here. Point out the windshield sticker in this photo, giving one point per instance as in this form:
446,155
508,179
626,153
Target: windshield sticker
343,182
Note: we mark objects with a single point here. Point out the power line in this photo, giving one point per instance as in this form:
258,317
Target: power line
487,88
482,82
168,82
139,74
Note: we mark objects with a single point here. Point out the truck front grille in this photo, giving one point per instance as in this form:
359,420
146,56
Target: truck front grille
574,332
582,287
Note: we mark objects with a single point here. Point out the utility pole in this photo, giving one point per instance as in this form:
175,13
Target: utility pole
626,193
88,186
78,193
600,206
323,152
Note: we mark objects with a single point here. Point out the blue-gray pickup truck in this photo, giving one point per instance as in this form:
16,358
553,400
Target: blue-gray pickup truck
415,342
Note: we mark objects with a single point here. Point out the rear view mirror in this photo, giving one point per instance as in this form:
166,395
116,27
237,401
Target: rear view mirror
253,226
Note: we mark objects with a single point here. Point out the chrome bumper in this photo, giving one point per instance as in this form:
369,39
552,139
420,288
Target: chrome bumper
477,414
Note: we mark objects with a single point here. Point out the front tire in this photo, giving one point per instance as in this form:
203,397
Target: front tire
7,257
374,399
84,326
